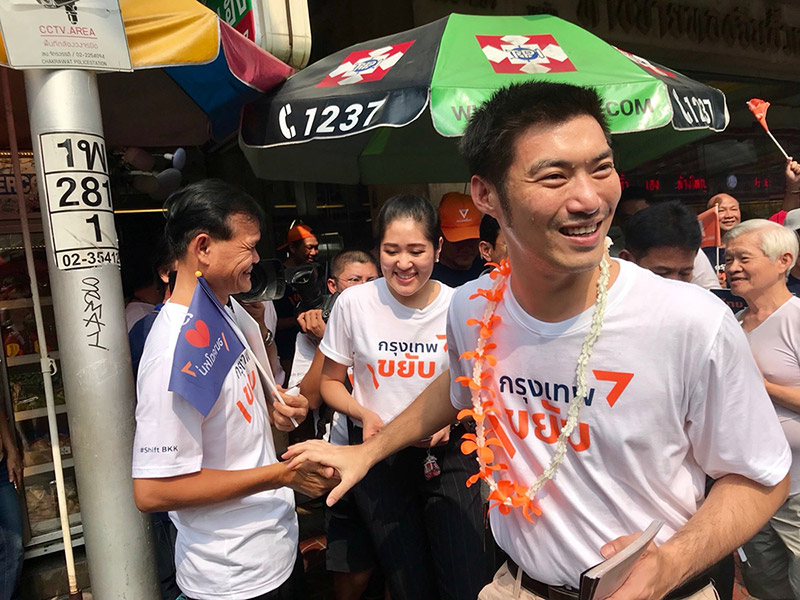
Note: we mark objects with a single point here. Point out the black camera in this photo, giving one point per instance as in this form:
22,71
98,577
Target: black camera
268,282
306,282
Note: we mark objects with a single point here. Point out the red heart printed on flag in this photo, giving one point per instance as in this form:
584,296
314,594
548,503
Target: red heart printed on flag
198,337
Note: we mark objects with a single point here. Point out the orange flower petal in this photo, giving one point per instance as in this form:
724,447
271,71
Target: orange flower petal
468,447
464,413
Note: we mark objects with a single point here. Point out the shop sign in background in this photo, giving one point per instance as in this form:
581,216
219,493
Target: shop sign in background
56,34
9,205
239,14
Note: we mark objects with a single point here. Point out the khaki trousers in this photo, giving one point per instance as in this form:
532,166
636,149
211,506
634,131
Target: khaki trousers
505,587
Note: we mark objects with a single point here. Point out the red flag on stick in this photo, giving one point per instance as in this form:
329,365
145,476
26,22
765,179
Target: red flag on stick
709,224
759,109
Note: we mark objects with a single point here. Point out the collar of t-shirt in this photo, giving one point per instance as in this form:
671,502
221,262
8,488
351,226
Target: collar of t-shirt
579,322
406,312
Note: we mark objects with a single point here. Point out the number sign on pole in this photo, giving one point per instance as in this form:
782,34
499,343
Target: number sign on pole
77,191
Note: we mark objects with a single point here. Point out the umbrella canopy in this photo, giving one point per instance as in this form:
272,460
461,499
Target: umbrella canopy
192,74
390,110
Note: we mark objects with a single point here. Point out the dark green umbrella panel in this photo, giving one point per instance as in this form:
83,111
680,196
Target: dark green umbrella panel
387,110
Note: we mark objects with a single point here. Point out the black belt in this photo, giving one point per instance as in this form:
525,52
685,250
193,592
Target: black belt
552,592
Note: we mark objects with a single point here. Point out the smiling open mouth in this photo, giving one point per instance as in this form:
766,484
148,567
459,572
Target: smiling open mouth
579,231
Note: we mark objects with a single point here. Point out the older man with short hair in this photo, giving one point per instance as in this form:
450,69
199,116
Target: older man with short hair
217,473
759,255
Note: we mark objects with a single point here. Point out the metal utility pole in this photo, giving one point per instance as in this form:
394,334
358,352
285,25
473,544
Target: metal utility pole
83,259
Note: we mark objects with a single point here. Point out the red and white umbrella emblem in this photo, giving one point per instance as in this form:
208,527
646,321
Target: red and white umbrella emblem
365,65
525,54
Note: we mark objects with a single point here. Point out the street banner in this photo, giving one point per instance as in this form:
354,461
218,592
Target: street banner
206,351
64,34
709,224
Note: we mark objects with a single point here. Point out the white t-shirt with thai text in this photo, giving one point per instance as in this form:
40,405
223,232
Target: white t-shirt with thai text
776,347
674,394
236,549
395,351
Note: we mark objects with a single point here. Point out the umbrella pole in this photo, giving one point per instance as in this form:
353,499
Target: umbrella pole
47,364
95,357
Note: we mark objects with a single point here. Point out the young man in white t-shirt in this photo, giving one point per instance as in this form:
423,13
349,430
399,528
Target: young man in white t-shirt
660,372
230,500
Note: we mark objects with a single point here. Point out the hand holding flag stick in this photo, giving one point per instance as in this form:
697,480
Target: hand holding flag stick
759,109
265,378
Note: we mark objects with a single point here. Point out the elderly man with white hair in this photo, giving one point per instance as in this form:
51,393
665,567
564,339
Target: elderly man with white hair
759,255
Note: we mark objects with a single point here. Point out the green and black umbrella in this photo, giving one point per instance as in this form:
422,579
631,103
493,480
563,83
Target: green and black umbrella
391,110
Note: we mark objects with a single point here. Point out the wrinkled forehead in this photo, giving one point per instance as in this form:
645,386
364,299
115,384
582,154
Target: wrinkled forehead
749,242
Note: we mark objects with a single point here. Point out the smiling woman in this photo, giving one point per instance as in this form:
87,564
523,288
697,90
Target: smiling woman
410,243
392,331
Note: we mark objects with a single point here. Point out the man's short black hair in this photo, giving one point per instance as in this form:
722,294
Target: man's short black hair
348,257
664,224
206,207
489,141
489,230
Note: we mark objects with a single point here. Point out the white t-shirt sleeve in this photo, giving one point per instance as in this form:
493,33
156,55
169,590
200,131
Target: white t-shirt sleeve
270,316
337,343
169,431
703,273
727,406
460,396
304,351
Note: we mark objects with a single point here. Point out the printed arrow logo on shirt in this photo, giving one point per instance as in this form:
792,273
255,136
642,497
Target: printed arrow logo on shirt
621,381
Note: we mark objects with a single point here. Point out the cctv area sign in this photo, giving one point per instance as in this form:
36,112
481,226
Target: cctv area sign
64,34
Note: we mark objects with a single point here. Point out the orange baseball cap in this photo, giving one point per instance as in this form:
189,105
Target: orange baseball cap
297,233
459,218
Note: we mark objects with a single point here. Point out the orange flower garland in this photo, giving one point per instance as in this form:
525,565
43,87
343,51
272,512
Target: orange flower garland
505,493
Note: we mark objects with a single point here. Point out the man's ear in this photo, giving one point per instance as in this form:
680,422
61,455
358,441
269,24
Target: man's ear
485,248
331,285
200,248
785,259
484,195
625,254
